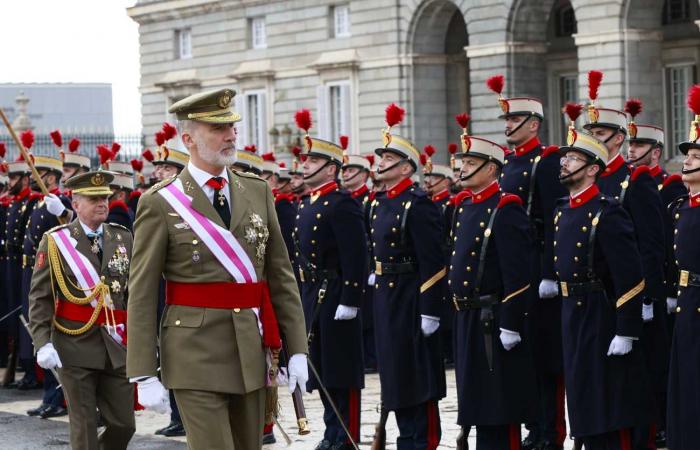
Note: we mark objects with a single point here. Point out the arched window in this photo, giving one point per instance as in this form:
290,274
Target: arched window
565,19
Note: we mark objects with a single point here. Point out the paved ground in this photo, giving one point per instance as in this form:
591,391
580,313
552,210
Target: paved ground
19,432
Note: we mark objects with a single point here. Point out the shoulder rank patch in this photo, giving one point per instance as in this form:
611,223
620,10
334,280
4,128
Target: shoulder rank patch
121,227
251,176
639,171
162,184
507,199
57,227
40,260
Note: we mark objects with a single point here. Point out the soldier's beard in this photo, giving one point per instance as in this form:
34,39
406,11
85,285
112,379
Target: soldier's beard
218,157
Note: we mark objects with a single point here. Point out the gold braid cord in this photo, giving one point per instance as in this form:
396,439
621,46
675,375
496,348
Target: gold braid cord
99,292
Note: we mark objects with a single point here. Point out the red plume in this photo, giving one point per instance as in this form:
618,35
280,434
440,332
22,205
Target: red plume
303,119
56,138
27,138
148,155
463,120
115,148
73,145
105,154
594,79
282,165
495,83
429,150
3,149
251,148
160,138
633,107
169,131
573,110
137,165
423,159
296,151
452,148
370,158
344,142
270,156
394,115
694,99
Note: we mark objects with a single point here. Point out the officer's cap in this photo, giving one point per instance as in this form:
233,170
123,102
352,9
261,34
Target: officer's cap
210,107
91,184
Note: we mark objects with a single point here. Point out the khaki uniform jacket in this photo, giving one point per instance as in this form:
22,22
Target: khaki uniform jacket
207,349
91,349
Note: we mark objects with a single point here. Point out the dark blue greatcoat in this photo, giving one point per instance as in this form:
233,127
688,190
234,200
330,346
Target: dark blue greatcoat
539,196
507,394
604,393
683,413
411,368
331,237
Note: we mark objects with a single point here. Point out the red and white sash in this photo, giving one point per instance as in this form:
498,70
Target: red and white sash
219,240
84,272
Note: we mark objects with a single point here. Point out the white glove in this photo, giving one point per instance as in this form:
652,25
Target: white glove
47,357
671,305
153,396
429,324
371,279
346,312
298,370
54,205
509,339
548,288
620,345
647,312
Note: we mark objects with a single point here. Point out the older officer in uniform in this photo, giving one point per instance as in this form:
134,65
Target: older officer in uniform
330,255
531,171
406,229
77,315
213,234
600,272
496,384
684,376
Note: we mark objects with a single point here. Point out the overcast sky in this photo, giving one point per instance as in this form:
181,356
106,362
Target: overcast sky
74,41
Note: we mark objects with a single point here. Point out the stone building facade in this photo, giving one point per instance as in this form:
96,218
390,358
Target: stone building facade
347,59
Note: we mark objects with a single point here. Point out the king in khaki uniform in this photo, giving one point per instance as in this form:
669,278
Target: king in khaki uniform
77,316
214,235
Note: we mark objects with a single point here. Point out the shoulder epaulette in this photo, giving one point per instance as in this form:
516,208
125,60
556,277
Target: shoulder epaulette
57,227
550,150
252,176
116,225
672,179
162,184
507,199
639,171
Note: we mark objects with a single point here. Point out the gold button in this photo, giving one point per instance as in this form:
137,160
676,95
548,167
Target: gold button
482,224
177,322
477,238
678,309
584,229
578,244
466,283
195,242
578,303
318,216
391,284
236,310
473,253
469,269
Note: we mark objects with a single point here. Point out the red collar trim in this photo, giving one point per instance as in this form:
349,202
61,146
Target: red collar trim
362,190
460,197
584,197
280,196
118,204
528,146
694,200
325,189
613,166
399,188
440,196
486,193
22,195
655,171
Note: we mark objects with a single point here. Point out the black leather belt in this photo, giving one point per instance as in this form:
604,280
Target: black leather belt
317,274
466,303
688,278
580,289
382,268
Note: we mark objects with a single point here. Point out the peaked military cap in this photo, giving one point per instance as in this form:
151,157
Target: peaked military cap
210,107
91,184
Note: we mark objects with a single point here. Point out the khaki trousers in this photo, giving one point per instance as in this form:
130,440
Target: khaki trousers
109,391
220,421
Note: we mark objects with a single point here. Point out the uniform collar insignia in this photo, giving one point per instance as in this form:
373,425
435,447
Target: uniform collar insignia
583,197
613,166
399,188
694,200
486,193
323,190
440,196
359,191
528,146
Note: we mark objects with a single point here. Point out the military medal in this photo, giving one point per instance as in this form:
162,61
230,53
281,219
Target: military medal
222,198
116,287
95,247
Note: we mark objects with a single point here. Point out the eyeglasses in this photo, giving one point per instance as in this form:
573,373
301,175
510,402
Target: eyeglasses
570,158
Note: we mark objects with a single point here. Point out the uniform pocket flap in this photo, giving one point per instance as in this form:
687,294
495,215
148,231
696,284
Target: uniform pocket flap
183,316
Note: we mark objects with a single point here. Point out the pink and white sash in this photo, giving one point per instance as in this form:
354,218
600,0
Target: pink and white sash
84,272
219,240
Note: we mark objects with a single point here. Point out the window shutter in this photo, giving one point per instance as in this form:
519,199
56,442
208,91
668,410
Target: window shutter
322,112
239,103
